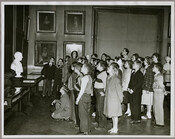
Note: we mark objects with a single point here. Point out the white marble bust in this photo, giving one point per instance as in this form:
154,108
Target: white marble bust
17,65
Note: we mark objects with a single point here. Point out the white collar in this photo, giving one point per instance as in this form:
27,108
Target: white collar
157,74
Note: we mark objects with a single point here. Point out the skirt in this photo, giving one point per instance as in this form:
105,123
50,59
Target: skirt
147,98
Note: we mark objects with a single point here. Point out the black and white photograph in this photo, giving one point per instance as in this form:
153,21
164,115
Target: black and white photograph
89,69
45,21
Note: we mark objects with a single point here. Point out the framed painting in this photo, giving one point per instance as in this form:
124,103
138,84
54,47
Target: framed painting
74,22
73,46
45,21
44,50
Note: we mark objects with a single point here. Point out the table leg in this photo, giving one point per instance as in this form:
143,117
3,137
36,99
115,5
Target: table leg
19,106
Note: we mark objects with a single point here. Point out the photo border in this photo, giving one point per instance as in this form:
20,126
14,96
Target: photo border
169,3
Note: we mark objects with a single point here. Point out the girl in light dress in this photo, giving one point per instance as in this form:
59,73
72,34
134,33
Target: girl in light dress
113,97
125,82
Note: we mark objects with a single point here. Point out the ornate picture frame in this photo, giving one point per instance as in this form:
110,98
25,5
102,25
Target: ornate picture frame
74,22
45,21
44,50
69,46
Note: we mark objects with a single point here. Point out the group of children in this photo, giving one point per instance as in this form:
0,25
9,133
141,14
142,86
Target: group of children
89,84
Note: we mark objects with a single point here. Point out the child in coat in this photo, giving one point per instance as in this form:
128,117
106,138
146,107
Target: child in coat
62,105
113,96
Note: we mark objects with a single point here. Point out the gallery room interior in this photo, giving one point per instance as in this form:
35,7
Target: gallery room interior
51,50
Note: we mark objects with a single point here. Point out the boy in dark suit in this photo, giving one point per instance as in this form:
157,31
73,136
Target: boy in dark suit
48,72
135,89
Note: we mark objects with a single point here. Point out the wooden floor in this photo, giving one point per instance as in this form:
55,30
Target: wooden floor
36,120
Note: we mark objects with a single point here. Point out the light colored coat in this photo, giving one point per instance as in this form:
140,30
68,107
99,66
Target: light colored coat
113,97
62,108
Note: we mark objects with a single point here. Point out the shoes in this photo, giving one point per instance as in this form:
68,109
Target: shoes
99,128
113,131
82,133
128,114
70,121
76,126
93,114
94,123
135,122
146,117
158,126
59,119
66,119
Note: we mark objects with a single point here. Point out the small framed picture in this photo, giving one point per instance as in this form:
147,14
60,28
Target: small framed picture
45,21
74,22
73,46
44,50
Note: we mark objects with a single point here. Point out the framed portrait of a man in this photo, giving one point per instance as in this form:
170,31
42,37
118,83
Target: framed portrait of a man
45,21
74,22
70,46
44,50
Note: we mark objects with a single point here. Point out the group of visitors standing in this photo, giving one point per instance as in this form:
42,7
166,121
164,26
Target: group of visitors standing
100,87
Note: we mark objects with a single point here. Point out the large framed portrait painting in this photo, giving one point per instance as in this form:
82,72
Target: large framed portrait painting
44,50
74,22
70,46
45,21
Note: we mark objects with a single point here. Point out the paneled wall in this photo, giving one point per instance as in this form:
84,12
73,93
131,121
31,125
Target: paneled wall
118,31
59,35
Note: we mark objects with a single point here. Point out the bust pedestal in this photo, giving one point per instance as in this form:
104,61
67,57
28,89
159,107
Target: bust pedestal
17,81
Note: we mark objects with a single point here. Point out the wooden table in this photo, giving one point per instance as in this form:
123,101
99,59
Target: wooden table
32,81
29,82
17,97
